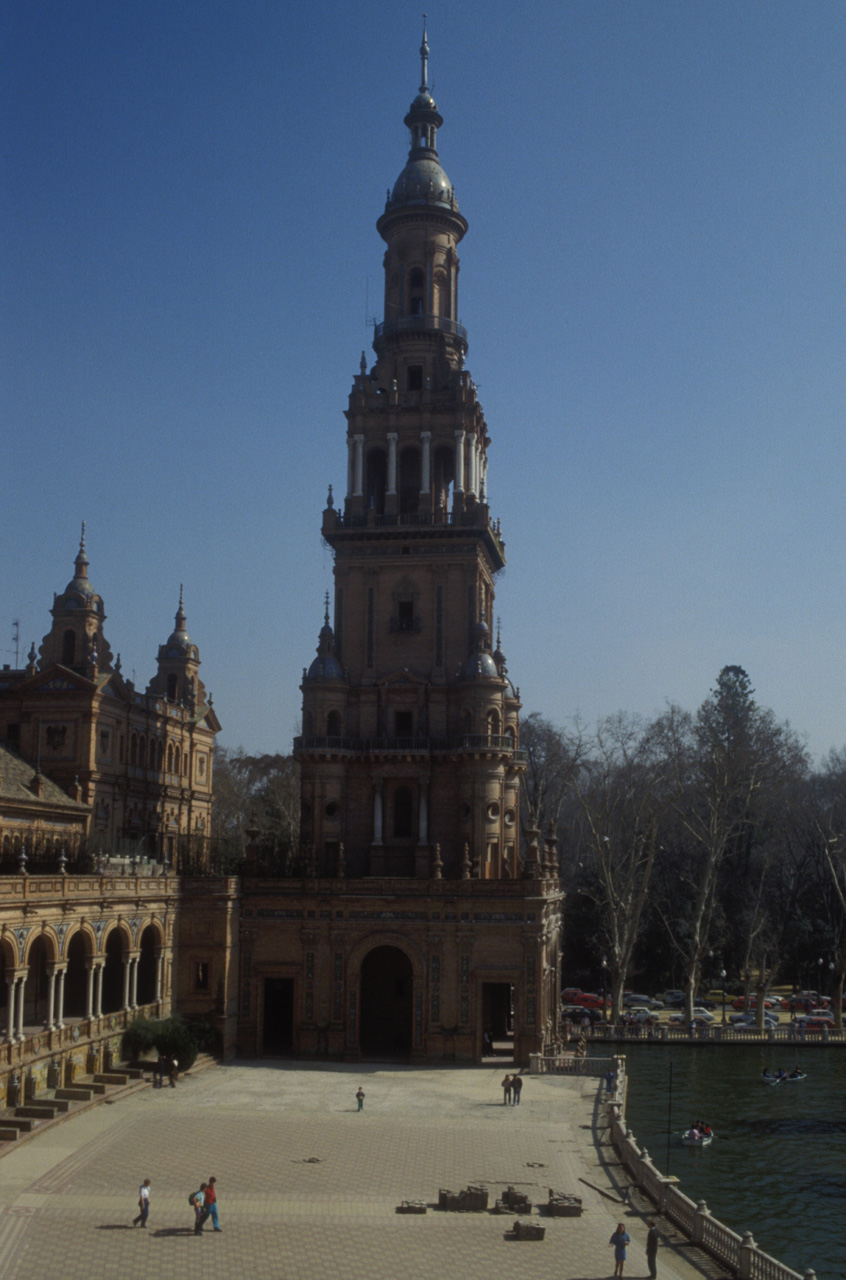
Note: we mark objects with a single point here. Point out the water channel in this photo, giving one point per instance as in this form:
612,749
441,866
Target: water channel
777,1165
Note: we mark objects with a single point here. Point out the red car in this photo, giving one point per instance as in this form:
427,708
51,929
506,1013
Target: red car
588,1000
741,1003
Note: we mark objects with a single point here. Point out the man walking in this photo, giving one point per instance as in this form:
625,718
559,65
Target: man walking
210,1207
652,1249
517,1088
506,1090
143,1204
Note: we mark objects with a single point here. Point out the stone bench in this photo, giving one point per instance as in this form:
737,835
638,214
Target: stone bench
75,1093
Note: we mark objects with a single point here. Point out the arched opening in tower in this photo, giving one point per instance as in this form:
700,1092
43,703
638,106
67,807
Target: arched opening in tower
443,473
68,648
76,978
409,481
147,967
377,472
387,985
113,973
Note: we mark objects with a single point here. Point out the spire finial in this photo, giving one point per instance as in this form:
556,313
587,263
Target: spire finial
498,630
424,60
326,611
82,538
81,561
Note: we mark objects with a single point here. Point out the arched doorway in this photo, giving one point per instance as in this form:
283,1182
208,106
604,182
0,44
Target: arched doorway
147,967
113,973
386,1020
37,984
76,978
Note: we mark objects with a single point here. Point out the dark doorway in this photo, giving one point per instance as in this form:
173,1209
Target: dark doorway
278,1015
387,985
113,973
497,1016
146,987
76,978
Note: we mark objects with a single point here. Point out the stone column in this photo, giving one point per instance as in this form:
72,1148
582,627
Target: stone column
350,466
127,964
89,993
459,461
60,1002
426,469
159,967
423,822
470,443
51,991
98,998
392,464
20,1009
133,971
377,813
358,467
10,1006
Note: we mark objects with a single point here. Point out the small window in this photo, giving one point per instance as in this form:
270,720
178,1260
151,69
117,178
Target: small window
404,724
403,813
405,615
172,687
68,648
415,377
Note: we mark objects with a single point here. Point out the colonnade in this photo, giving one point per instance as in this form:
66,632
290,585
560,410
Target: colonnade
54,1021
470,464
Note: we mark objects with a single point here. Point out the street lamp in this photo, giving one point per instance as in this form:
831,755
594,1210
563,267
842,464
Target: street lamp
819,978
723,985
604,971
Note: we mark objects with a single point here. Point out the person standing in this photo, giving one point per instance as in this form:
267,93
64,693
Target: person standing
652,1249
199,1201
210,1207
506,1090
360,1098
517,1089
172,1070
143,1204
609,1081
618,1241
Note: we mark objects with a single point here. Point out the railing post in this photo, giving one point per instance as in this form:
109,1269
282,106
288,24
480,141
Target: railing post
699,1217
747,1248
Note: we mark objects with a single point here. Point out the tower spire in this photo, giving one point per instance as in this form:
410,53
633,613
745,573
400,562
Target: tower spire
81,562
424,60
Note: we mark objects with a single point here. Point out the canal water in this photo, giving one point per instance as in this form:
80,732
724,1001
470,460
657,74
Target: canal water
777,1165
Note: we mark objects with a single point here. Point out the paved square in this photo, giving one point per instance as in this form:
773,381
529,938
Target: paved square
308,1186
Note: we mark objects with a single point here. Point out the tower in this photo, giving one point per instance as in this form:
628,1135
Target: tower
410,735
411,925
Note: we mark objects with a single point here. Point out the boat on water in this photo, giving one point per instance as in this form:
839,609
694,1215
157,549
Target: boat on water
689,1139
775,1077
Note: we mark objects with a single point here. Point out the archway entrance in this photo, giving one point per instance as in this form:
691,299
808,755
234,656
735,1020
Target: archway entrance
278,1037
147,966
387,985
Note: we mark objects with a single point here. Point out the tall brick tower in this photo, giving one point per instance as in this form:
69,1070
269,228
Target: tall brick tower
423,926
410,723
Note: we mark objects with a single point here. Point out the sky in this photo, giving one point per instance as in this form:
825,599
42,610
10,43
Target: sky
653,283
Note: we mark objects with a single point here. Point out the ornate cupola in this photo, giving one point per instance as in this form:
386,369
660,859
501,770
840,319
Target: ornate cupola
178,660
76,638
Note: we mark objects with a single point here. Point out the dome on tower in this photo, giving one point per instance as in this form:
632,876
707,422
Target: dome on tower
79,584
178,641
423,181
325,666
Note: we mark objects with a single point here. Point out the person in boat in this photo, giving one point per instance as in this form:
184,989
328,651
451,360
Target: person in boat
766,1073
796,1074
781,1074
693,1133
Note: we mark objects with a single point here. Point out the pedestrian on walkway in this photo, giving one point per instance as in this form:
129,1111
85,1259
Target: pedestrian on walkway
507,1086
517,1088
210,1207
652,1249
172,1071
618,1242
143,1204
609,1081
360,1098
199,1202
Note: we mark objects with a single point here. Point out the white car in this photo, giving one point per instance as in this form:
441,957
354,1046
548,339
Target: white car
750,1019
704,1015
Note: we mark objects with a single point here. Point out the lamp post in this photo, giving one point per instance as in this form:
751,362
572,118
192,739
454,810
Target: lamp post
723,985
819,978
604,972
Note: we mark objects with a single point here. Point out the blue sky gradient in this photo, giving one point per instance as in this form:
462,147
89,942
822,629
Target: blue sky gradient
654,285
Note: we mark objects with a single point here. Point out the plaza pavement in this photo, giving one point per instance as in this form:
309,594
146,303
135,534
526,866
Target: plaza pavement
308,1187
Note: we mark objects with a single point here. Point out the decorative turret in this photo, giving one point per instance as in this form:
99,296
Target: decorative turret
178,661
325,666
76,637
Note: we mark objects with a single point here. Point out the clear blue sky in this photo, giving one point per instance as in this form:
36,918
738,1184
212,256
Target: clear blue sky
654,284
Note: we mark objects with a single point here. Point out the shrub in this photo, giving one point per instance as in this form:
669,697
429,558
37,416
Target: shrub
170,1036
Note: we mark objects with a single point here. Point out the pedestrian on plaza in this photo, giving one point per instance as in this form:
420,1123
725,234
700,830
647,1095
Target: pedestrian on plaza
360,1098
609,1081
199,1202
210,1205
619,1240
159,1071
172,1071
652,1249
143,1204
507,1086
517,1089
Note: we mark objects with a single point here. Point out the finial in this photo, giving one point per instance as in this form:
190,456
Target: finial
82,538
363,365
180,595
81,561
326,611
498,629
330,501
117,663
424,59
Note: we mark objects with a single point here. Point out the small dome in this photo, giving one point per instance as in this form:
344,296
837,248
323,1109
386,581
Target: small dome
325,667
480,666
80,587
423,181
425,101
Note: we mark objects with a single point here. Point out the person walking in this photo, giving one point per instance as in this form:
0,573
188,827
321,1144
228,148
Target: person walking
210,1207
517,1088
506,1090
360,1098
199,1202
652,1249
143,1204
609,1082
618,1242
172,1070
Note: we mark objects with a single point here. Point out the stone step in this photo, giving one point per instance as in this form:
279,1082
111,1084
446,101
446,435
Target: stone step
75,1093
9,1135
17,1122
111,1077
40,1110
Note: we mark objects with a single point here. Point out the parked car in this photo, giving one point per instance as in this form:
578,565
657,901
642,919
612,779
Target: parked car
813,1021
752,1003
631,999
589,1000
698,1013
577,1013
806,1000
671,999
639,1013
568,995
750,1019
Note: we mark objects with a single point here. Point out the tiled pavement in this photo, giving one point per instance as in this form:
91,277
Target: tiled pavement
308,1187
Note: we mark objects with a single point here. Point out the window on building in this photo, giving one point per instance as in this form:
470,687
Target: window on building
405,615
69,648
403,813
415,377
172,686
404,724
